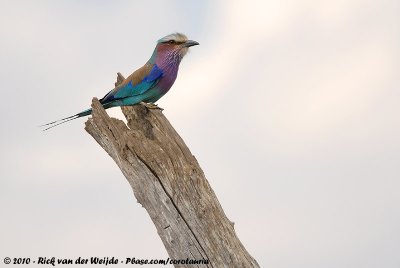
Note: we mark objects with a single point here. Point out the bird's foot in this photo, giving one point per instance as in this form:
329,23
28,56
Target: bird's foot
151,105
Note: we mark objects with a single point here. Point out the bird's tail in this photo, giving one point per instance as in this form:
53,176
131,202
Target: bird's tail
66,119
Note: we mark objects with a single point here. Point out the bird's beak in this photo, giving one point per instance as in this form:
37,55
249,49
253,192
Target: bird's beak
190,43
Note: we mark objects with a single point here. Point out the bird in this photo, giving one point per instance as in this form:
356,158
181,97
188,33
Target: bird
147,84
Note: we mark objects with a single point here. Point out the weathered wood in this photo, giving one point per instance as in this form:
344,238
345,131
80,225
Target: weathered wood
169,183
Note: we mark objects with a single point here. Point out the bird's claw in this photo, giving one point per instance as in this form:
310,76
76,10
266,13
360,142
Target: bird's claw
151,105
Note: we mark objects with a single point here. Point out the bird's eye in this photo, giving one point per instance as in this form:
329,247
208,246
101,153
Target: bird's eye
171,41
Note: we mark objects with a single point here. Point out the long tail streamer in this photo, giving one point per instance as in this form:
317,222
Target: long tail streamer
66,119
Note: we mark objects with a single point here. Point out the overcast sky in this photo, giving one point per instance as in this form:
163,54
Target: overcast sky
291,107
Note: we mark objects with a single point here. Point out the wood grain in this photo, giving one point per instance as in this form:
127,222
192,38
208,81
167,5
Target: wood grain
169,183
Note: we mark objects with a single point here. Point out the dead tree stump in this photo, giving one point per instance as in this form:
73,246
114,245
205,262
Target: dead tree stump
169,183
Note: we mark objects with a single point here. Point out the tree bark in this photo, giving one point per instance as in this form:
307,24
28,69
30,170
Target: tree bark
169,183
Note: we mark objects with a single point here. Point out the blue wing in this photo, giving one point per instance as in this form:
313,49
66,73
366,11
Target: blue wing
131,88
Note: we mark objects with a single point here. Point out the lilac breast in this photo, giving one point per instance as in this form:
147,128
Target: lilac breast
167,81
168,62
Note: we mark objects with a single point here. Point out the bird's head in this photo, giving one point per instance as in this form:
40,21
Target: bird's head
173,47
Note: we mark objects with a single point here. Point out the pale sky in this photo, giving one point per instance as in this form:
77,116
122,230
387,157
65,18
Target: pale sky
292,109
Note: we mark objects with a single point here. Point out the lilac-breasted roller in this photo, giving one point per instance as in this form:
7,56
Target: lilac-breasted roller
148,83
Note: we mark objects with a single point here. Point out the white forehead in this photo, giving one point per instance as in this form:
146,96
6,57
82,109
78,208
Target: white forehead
177,37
